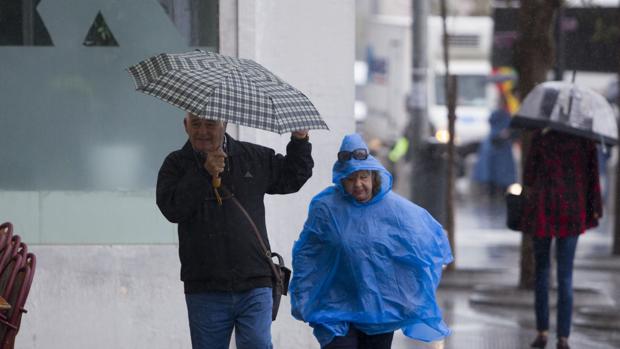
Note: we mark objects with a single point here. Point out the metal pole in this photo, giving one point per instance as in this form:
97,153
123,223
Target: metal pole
417,100
558,70
616,228
451,90
427,155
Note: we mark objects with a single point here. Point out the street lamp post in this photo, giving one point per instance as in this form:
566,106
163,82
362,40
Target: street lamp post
426,153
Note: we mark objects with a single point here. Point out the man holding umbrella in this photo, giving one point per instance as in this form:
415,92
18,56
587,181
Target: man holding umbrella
214,187
227,282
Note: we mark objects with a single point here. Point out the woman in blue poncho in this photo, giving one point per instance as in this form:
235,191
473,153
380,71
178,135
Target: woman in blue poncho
368,261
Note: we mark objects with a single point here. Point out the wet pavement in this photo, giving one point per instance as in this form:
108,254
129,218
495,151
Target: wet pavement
481,301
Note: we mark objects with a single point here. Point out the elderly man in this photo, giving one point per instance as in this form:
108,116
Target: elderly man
227,279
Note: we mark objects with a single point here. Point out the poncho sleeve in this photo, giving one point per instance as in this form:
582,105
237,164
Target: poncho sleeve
310,258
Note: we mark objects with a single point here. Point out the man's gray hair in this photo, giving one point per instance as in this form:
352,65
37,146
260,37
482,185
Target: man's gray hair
189,115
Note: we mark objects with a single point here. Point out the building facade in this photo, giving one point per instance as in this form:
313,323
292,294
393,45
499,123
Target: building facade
80,151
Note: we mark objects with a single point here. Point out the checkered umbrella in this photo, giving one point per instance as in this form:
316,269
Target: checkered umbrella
217,87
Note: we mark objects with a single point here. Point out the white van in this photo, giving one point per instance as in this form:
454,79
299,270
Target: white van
469,48
389,78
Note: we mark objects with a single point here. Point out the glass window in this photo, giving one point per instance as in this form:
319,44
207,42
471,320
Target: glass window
196,20
21,25
80,147
71,119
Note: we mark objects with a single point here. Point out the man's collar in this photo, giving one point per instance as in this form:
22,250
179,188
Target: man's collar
230,146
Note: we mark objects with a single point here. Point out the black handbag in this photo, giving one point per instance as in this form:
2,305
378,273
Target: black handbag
279,287
281,275
514,211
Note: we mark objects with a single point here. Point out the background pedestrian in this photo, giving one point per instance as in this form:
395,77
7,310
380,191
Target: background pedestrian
562,200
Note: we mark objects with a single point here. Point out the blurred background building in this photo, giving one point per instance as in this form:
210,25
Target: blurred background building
480,53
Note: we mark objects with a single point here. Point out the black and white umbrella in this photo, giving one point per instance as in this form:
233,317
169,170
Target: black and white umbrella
569,108
218,87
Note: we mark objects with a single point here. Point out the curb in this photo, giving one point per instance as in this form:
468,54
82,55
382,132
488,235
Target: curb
512,296
598,317
610,263
470,278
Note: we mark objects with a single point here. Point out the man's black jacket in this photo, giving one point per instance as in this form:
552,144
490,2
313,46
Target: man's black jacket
217,246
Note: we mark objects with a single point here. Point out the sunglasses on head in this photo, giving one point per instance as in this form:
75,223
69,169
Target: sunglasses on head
357,154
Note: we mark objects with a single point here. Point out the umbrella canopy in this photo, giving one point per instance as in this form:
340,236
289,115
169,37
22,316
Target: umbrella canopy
230,89
566,107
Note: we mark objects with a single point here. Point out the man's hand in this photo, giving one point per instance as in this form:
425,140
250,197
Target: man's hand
300,134
214,164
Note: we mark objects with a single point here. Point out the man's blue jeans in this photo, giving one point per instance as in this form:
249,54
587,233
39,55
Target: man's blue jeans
565,255
213,315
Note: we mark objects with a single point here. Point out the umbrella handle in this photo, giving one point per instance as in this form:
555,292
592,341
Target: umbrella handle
217,182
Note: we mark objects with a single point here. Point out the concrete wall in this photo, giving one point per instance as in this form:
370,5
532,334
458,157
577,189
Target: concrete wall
129,296
310,45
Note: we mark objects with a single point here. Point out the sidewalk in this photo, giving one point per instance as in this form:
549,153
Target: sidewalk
485,309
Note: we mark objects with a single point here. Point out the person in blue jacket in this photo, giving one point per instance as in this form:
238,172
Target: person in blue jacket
495,167
368,261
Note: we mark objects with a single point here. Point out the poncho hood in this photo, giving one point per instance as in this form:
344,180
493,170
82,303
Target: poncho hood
342,170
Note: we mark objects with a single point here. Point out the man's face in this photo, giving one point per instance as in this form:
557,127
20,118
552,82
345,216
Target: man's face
359,185
204,135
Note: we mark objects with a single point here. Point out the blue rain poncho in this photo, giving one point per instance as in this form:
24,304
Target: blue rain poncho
375,265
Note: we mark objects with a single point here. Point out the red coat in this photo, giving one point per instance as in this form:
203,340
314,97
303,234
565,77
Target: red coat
561,179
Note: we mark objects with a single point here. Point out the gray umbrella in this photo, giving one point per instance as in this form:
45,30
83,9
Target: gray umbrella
569,108
220,87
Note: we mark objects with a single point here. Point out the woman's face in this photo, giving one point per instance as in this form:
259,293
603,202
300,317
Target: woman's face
359,185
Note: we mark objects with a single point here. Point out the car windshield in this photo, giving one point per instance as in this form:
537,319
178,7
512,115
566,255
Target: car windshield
471,90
